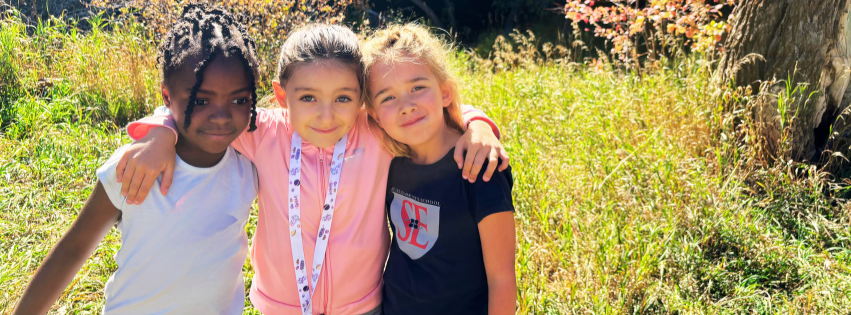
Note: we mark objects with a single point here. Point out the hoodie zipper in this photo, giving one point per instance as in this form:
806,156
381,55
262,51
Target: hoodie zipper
322,192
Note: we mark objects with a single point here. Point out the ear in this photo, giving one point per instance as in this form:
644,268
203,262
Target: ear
280,94
447,92
166,97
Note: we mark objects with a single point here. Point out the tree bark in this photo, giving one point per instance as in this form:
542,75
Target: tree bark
803,41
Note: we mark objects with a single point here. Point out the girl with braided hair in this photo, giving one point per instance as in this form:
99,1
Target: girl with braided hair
182,253
322,236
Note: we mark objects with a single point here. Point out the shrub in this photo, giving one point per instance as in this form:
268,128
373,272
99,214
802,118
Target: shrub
520,50
268,22
663,26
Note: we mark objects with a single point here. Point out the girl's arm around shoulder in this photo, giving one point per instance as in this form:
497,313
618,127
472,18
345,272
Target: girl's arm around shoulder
497,234
480,143
153,151
68,255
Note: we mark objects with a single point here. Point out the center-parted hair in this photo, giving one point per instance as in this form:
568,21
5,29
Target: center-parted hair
320,42
208,32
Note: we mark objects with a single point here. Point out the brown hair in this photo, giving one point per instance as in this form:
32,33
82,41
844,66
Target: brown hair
318,42
411,43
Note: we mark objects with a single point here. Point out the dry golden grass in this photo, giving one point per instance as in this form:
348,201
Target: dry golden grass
633,194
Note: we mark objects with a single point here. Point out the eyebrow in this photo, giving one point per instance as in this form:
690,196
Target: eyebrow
245,89
417,79
351,89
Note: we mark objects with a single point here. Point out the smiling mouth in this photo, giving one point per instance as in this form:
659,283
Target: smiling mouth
216,134
413,121
324,131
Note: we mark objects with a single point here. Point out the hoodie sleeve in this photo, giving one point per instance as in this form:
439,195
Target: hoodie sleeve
471,114
246,143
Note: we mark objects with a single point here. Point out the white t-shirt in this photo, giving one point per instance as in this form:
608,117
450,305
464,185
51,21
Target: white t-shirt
183,253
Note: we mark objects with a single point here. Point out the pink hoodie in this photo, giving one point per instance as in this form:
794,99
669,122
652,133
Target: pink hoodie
360,238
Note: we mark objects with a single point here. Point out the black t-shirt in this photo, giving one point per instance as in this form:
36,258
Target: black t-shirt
435,264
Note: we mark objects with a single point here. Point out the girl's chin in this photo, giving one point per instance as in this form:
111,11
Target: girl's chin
322,140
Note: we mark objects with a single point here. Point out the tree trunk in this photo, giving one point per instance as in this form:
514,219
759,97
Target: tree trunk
805,41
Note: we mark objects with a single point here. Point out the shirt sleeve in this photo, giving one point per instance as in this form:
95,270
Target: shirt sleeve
471,114
108,178
493,196
246,143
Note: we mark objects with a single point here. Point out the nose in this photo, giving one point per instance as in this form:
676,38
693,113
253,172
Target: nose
408,106
221,115
326,112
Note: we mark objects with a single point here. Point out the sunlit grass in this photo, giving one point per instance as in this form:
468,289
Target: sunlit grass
631,195
629,201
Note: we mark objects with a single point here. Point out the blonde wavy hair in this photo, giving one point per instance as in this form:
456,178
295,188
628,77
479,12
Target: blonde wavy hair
415,44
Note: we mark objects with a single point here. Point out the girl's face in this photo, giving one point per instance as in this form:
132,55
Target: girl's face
222,106
408,101
323,100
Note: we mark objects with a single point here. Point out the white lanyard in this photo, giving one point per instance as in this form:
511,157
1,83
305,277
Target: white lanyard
302,283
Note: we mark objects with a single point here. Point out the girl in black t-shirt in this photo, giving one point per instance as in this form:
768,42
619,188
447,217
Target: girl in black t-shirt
453,237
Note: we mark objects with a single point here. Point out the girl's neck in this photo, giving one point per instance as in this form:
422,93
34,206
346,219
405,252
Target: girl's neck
194,156
434,149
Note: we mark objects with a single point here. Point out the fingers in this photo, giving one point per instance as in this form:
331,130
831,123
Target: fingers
468,163
460,147
168,175
145,188
119,169
478,161
138,178
503,155
126,177
493,159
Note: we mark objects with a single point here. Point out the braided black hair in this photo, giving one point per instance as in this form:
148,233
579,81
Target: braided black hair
208,32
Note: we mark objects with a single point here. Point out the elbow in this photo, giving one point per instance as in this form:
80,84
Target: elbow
503,285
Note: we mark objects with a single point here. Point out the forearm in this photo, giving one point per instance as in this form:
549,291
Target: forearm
69,254
51,279
482,127
472,115
497,235
502,296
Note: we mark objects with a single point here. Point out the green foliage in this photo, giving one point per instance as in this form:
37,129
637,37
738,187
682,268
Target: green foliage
53,73
662,26
267,22
633,193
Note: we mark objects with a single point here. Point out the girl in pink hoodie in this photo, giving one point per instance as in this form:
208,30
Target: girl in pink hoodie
322,236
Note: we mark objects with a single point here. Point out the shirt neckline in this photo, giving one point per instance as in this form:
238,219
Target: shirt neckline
194,169
444,162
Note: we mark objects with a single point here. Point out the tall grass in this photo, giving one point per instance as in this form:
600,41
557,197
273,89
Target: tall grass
54,73
633,197
632,193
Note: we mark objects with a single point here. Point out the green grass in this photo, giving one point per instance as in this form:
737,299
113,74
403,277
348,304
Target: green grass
631,195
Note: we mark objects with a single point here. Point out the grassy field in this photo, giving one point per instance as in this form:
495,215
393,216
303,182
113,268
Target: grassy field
631,194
